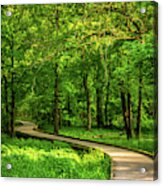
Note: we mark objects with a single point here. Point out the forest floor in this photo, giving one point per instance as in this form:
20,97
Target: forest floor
126,164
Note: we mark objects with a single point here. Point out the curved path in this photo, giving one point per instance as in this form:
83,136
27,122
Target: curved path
126,164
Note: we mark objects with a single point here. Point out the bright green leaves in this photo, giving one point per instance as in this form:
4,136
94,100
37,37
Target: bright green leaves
52,160
107,42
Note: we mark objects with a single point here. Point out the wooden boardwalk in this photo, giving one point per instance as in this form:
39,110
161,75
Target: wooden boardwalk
126,164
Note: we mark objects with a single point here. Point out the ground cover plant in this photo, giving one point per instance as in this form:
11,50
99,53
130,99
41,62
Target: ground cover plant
40,158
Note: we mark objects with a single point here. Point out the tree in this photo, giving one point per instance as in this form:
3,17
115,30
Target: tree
66,67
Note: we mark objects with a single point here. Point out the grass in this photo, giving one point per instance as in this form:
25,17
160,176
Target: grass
146,143
44,159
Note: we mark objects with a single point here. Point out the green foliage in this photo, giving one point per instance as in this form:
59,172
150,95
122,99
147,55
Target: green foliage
100,49
39,159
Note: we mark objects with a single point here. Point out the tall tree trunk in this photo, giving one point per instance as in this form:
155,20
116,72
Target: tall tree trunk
99,90
6,103
89,119
60,118
124,111
106,108
99,109
107,117
87,91
12,113
56,101
138,125
129,115
56,84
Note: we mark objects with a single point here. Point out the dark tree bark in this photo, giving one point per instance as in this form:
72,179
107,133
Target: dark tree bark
108,121
138,124
99,109
129,115
85,79
99,90
87,91
12,113
12,105
129,108
56,84
106,109
56,101
6,103
124,111
60,118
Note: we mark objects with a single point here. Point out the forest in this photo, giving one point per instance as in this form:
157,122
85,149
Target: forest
84,70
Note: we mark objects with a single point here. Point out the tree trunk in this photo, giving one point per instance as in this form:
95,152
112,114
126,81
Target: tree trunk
12,113
89,111
129,115
99,109
6,103
106,109
107,118
85,79
56,102
99,91
138,125
56,84
60,118
124,111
